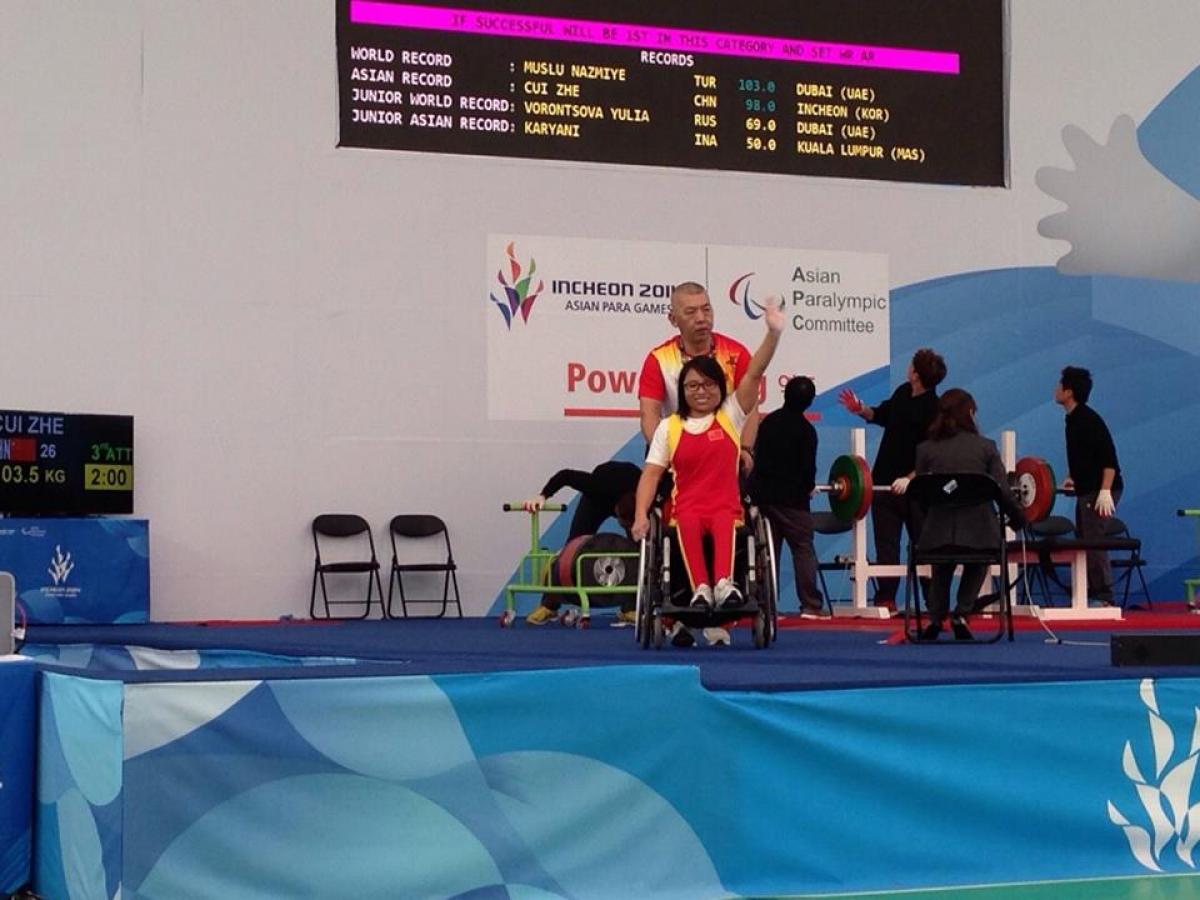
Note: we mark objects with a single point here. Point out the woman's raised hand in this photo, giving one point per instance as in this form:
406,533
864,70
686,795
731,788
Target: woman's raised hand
773,313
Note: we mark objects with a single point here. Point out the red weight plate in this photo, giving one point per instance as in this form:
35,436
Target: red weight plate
1035,487
564,564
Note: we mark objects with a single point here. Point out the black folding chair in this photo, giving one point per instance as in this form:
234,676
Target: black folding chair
958,491
422,529
345,529
1046,572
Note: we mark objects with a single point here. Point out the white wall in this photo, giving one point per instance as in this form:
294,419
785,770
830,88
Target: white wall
298,328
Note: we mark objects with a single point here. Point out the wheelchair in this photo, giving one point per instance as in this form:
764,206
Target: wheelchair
663,592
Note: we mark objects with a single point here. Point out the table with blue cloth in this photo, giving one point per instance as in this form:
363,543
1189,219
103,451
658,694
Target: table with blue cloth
78,571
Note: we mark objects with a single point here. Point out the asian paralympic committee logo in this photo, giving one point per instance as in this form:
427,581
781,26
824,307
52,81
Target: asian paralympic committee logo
1165,797
739,295
518,298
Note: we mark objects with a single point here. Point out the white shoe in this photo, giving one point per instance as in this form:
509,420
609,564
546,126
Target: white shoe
703,598
717,637
727,594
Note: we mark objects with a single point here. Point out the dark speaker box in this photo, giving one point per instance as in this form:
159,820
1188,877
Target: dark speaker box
1156,649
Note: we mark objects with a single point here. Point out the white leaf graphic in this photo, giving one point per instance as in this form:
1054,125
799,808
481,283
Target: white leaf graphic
1151,799
1176,787
1185,845
1129,764
1164,743
1139,839
1147,691
1196,731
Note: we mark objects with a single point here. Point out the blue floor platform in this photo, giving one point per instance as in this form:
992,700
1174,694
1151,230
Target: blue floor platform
821,657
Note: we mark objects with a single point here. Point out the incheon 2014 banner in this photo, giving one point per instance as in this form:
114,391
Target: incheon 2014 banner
570,320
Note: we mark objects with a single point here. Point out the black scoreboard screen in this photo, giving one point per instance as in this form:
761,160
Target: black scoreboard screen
900,90
65,464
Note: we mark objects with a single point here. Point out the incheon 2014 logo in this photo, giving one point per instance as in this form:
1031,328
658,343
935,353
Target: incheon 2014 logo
518,294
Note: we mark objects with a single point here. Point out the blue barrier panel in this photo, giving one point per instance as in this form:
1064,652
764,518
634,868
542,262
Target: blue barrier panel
621,781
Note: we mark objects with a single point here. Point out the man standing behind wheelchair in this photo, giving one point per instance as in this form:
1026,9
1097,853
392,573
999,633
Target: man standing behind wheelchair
701,444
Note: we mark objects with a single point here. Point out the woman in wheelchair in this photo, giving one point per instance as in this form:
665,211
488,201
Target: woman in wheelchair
701,444
955,446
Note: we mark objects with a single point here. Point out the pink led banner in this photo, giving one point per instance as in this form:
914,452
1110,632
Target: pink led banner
582,31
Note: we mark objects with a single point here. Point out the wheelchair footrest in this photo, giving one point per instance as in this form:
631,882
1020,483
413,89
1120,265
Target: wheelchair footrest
696,617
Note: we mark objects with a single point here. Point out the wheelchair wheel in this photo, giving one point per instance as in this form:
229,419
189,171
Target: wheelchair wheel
639,622
660,633
761,636
767,577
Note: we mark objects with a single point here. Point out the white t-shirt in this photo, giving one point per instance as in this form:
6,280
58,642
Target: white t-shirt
659,455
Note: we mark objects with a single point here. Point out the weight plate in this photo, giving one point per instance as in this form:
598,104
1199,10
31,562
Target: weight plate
850,480
1036,487
602,570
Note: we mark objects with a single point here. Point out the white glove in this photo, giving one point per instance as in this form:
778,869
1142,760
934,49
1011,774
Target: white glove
900,485
1104,505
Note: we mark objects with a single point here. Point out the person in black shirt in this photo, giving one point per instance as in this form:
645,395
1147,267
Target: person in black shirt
782,480
1093,472
905,417
606,491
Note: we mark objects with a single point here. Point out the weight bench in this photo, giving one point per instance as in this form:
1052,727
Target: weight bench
1075,550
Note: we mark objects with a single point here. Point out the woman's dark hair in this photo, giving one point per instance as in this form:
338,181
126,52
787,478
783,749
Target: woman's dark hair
710,369
955,413
930,367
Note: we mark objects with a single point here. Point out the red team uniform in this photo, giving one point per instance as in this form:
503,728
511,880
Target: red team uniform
705,498
660,372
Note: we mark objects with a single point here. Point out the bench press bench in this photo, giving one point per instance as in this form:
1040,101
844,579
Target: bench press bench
1073,551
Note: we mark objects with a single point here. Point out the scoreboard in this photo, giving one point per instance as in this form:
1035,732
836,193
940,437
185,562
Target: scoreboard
901,90
54,463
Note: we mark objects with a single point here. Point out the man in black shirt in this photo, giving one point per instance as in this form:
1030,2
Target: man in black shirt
1092,471
782,480
607,490
905,417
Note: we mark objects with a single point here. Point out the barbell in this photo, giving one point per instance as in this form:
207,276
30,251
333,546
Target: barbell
851,488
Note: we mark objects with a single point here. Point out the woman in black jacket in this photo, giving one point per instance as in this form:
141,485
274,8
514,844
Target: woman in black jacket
955,446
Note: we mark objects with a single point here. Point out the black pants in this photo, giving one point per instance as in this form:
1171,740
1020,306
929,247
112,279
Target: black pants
1088,525
795,525
890,514
937,598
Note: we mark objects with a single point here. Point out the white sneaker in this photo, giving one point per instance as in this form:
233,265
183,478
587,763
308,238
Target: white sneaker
727,594
703,598
717,637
